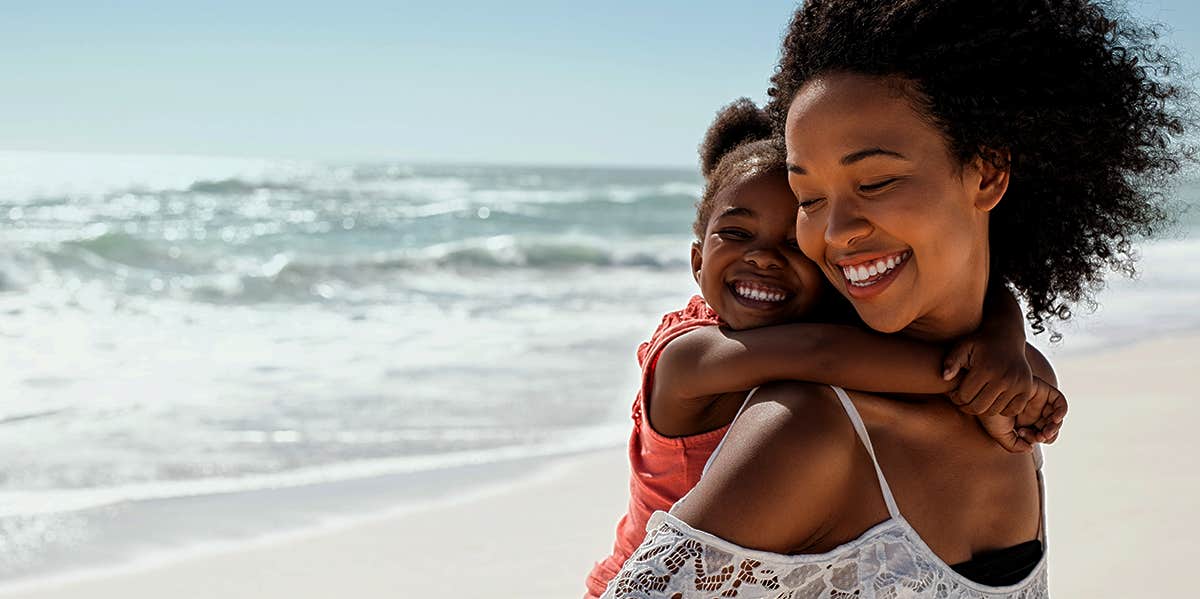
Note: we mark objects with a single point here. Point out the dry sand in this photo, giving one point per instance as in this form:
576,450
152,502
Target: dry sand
1123,492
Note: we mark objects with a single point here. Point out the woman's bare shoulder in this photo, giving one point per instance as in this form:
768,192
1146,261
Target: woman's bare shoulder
782,474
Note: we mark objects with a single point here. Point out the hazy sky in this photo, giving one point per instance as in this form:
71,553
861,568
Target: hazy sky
526,81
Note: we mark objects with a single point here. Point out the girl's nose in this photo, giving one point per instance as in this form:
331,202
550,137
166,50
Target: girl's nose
765,258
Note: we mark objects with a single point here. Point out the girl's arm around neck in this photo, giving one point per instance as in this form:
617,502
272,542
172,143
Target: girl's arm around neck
709,361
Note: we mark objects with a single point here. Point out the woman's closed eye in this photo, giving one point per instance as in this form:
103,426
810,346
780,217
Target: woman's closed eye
877,186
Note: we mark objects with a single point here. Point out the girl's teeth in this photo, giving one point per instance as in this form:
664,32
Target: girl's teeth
760,295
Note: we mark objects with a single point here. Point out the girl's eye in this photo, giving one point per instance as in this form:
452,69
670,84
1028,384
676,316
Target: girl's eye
734,234
877,186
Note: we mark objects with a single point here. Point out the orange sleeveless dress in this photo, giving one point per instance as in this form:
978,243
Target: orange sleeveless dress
662,469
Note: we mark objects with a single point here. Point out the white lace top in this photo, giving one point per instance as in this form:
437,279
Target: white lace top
889,561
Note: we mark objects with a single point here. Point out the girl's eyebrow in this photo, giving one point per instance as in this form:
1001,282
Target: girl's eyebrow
853,157
736,211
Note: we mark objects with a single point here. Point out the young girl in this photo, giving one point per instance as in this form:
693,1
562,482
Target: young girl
698,367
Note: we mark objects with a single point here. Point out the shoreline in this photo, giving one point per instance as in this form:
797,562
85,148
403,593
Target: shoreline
374,556
303,513
1119,495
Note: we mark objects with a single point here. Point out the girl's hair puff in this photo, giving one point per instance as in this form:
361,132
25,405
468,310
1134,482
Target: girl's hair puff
739,145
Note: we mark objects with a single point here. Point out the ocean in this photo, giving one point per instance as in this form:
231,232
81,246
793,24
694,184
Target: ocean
201,351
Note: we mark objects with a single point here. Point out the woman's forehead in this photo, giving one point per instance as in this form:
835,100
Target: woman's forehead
840,116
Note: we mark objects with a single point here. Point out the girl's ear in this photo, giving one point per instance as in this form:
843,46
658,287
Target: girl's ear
697,259
993,180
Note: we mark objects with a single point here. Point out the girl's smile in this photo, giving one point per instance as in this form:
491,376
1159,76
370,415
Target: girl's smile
748,265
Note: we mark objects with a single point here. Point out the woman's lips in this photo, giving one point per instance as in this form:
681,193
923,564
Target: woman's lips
868,278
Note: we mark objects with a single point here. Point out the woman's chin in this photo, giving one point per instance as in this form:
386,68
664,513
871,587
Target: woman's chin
883,321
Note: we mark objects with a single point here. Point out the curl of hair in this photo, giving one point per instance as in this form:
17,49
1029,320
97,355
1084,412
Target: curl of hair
1080,101
740,144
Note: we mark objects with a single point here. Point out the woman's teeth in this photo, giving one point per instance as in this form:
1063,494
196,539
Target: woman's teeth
760,294
865,275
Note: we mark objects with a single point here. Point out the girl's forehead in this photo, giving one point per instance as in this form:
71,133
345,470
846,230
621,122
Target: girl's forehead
760,197
757,189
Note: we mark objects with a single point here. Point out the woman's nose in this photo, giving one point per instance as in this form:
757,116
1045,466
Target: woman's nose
846,224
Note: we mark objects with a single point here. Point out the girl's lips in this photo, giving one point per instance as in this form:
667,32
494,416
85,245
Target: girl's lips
758,296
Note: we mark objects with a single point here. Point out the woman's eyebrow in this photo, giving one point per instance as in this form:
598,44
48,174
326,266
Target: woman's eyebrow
853,157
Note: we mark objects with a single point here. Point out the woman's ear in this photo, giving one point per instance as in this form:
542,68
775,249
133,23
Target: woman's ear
993,179
697,259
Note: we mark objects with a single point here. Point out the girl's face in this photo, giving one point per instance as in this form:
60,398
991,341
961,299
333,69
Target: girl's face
897,224
748,265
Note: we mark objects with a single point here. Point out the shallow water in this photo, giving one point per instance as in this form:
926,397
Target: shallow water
180,327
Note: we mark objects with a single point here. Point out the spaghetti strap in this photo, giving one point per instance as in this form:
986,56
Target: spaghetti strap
861,429
1038,461
745,402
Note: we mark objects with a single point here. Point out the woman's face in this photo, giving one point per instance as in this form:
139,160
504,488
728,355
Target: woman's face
897,224
748,265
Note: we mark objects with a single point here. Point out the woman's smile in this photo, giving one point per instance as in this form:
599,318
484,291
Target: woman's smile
869,277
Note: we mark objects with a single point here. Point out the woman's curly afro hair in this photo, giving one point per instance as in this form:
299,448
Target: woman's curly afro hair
1077,99
739,145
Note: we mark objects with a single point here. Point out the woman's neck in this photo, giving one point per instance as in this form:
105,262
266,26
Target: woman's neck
959,313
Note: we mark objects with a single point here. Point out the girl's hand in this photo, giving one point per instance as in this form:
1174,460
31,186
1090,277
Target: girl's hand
998,380
1039,422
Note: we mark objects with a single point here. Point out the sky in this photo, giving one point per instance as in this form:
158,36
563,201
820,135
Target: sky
621,82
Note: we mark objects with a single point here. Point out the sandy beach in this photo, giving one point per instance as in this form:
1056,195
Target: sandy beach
1122,491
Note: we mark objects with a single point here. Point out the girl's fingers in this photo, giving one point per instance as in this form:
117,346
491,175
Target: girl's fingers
1017,404
1058,407
1050,431
1001,401
957,359
984,399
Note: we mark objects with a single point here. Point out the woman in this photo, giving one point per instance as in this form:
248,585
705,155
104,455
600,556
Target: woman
958,143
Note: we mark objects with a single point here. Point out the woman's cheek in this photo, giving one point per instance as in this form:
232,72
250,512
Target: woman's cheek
810,236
